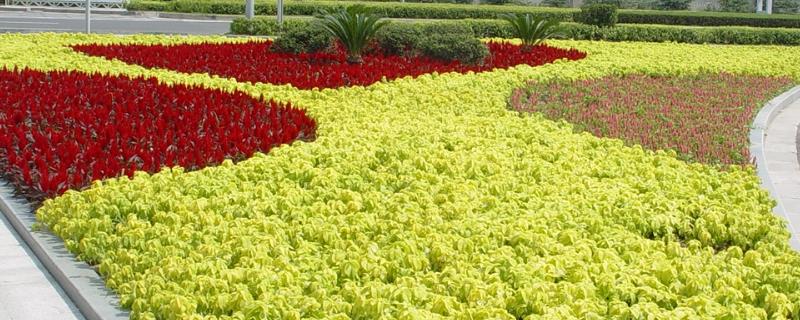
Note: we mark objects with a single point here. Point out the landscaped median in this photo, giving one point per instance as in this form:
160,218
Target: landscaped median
426,197
268,26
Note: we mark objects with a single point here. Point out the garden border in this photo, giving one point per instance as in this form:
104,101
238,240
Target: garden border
758,155
79,281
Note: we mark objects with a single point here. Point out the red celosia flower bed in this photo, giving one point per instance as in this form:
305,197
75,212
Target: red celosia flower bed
254,62
703,118
61,131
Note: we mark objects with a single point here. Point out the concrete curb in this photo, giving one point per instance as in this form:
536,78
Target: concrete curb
77,279
758,135
186,16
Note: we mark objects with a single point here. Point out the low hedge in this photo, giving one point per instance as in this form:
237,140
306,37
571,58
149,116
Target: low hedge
458,11
647,33
695,18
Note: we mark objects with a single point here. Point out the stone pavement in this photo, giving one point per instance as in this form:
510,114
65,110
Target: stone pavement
27,292
781,147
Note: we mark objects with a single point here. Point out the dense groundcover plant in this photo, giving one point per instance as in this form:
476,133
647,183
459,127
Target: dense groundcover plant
426,198
63,130
704,118
254,62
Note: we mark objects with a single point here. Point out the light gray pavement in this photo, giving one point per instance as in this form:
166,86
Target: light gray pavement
37,21
780,148
27,292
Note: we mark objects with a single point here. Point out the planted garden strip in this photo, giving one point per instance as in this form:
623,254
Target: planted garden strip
703,118
254,62
427,199
63,130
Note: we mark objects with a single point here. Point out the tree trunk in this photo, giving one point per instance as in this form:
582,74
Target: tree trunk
354,59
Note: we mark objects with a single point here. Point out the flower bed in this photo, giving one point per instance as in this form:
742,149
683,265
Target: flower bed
254,62
704,118
92,127
426,198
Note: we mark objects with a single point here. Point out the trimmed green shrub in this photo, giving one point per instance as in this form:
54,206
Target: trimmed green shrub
454,47
446,27
399,39
306,38
599,15
407,38
673,4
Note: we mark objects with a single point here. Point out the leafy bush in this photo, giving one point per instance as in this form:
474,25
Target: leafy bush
531,30
600,15
265,26
354,27
673,4
446,27
454,47
399,39
308,38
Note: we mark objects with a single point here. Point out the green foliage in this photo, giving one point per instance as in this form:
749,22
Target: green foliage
531,30
555,3
264,26
454,47
736,5
354,27
600,15
673,4
307,39
786,6
399,39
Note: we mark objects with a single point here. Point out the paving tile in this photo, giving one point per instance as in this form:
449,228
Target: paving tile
48,304
26,292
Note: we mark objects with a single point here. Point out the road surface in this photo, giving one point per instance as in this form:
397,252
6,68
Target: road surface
34,21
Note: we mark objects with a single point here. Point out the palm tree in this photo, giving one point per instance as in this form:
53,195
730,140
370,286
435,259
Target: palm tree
354,26
530,29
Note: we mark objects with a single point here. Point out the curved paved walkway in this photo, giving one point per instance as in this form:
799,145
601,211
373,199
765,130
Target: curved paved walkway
27,292
781,155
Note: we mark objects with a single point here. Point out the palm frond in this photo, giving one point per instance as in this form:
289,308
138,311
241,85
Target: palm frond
531,30
354,27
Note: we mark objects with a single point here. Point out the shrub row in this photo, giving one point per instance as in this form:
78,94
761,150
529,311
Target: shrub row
456,11
647,33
